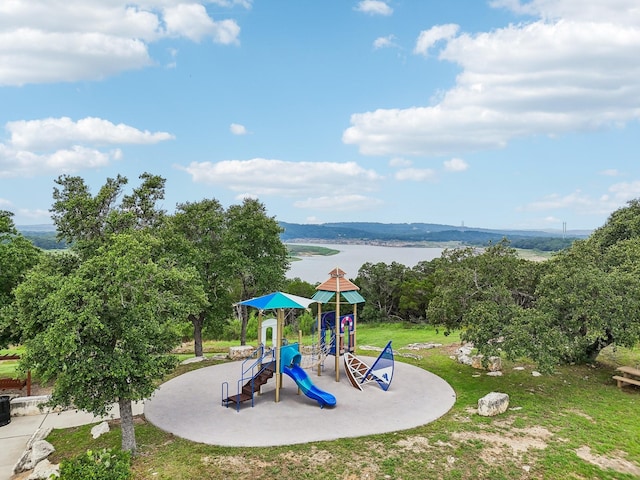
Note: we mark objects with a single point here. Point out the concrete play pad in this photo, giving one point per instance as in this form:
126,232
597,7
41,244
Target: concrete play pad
190,406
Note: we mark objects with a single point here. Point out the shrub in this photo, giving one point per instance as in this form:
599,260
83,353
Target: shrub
307,323
231,330
105,464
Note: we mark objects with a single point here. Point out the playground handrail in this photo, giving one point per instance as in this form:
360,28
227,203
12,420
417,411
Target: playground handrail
260,361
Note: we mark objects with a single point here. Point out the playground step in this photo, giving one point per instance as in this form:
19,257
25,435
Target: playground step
238,398
253,385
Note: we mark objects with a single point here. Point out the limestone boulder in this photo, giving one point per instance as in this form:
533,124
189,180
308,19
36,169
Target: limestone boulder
40,450
240,352
99,429
494,364
493,404
45,470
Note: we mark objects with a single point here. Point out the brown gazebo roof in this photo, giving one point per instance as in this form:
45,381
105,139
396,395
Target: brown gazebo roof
337,282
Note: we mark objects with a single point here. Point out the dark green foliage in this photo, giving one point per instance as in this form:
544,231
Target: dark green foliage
381,286
107,325
194,236
561,311
105,464
87,221
17,256
254,256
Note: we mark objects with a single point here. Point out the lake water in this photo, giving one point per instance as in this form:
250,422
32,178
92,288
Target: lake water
352,257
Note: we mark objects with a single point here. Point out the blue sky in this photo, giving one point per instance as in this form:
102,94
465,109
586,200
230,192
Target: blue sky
496,114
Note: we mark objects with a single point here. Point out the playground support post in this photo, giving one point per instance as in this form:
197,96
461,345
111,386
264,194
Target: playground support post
280,328
338,334
318,330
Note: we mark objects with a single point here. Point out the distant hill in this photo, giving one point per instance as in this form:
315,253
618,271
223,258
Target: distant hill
370,232
42,236
36,228
426,232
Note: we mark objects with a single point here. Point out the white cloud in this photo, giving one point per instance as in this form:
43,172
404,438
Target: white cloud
623,192
615,11
237,129
428,38
50,133
415,174
5,203
400,162
612,172
35,214
384,42
456,165
556,201
539,78
374,7
339,203
193,22
52,41
261,176
61,145
584,204
246,196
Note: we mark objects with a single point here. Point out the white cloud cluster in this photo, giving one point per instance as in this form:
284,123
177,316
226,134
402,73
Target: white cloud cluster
573,69
428,38
315,184
614,11
374,7
61,145
455,165
384,42
237,129
52,41
406,172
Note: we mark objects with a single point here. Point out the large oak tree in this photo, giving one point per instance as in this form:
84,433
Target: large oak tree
107,326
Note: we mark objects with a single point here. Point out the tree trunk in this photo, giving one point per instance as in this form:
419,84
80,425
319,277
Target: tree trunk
592,351
126,425
198,322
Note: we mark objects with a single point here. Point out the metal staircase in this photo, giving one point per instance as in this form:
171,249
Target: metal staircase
260,370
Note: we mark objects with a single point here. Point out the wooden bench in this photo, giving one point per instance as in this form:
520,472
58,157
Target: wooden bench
627,378
15,383
12,384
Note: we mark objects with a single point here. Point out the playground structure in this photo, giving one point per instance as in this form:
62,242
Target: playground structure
264,363
381,371
336,336
337,288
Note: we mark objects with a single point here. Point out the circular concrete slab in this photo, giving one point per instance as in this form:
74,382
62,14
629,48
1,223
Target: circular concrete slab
189,406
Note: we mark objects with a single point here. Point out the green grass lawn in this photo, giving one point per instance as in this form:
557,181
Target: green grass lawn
8,368
574,423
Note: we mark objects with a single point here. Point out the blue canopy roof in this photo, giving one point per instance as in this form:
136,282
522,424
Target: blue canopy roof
277,300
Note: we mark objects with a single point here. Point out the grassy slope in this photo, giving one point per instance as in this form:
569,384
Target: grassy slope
555,417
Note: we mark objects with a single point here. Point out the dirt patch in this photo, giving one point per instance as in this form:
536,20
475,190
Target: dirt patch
414,444
517,440
235,463
616,463
317,457
581,414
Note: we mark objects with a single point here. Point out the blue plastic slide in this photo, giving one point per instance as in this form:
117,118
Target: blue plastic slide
308,388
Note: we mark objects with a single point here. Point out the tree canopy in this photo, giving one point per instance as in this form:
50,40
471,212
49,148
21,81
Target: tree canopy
564,310
107,326
17,256
254,254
